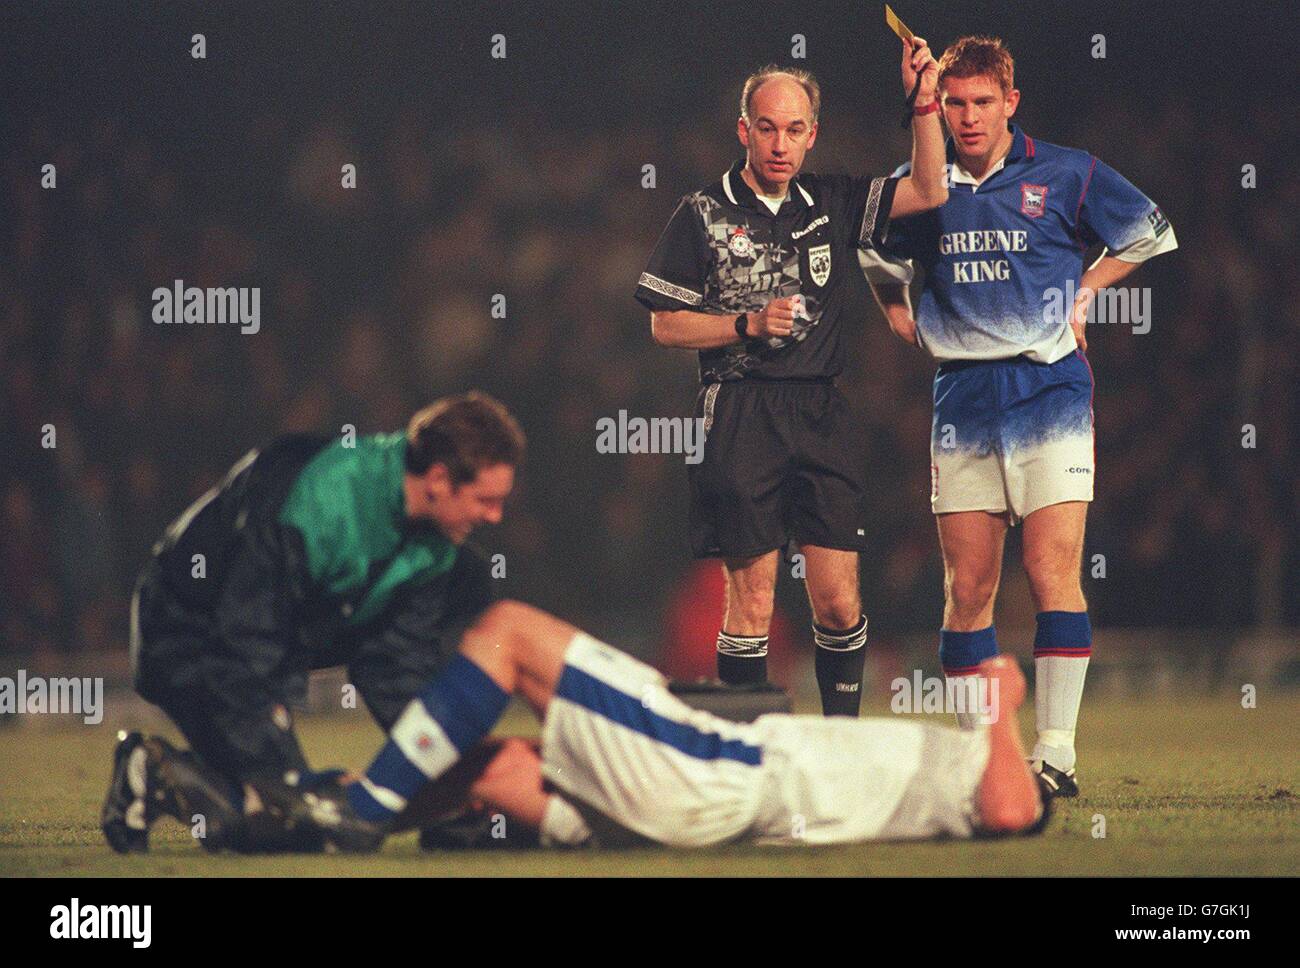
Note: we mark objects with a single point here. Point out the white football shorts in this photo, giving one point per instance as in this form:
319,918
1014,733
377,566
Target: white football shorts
617,740
1011,435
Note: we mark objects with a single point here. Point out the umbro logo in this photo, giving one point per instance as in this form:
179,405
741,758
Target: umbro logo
811,225
846,687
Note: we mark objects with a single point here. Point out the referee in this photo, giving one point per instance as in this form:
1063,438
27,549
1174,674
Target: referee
751,271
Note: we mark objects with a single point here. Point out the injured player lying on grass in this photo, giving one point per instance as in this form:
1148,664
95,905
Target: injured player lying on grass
622,756
618,746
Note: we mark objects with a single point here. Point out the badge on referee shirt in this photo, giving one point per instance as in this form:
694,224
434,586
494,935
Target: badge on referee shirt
740,245
819,264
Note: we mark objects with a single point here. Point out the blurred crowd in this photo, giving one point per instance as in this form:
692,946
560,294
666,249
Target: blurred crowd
378,298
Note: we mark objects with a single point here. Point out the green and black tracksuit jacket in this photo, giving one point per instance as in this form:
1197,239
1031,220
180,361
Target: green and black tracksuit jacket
301,558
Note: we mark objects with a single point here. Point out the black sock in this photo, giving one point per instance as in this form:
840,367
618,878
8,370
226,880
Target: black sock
742,659
839,662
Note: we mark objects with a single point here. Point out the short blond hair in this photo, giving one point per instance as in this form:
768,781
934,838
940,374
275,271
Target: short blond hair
974,56
765,74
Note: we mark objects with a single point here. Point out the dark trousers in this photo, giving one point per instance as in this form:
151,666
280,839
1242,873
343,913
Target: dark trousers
179,665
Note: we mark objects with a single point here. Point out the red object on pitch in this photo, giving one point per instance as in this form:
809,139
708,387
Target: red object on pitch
694,617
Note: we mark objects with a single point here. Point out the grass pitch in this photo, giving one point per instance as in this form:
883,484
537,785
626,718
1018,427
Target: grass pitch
1202,787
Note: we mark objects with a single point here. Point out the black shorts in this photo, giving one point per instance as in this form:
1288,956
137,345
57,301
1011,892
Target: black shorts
783,461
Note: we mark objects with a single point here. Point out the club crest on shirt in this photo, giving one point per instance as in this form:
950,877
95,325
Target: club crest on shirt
819,264
740,244
1033,199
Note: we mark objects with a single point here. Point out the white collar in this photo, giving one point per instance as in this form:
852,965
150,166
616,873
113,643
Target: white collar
731,196
960,176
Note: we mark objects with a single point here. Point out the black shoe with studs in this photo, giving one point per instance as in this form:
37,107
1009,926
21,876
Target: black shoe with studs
1054,782
126,815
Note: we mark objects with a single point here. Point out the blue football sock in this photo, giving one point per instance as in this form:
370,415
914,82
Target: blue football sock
1062,648
453,713
1065,634
961,652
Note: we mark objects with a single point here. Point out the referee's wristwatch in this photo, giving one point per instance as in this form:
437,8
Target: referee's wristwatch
742,326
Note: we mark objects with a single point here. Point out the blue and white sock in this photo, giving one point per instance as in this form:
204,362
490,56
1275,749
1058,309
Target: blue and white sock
1062,647
453,713
960,654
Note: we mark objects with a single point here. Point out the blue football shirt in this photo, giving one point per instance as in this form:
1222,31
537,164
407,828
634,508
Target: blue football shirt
1003,258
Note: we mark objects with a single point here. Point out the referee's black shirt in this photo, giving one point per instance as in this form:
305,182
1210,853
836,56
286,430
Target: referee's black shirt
725,252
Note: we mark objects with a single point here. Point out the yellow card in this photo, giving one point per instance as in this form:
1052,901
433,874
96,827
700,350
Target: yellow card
896,25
